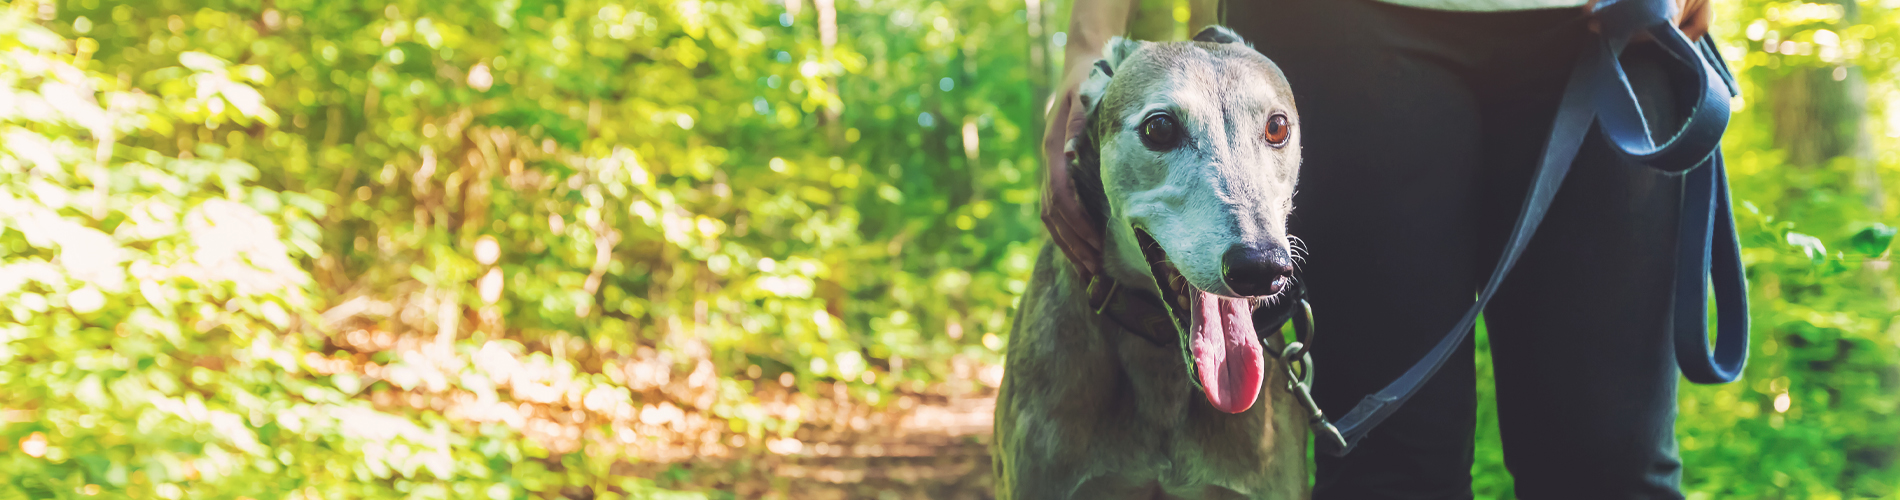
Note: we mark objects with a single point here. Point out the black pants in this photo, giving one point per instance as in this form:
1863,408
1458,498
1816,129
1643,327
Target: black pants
1421,131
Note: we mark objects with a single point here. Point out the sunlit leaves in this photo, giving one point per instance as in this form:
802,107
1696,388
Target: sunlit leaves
1874,240
705,182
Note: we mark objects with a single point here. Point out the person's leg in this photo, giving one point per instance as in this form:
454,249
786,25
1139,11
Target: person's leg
1386,204
1586,374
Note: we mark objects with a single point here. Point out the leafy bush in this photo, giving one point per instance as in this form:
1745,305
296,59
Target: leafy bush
555,248
440,249
1811,417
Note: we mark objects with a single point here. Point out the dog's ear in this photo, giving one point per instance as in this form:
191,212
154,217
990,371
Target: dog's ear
1117,50
1218,34
1093,88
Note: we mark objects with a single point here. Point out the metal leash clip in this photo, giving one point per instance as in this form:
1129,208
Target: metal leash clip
1297,360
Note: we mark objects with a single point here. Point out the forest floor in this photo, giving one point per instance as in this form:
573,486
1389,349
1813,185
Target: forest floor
661,419
938,449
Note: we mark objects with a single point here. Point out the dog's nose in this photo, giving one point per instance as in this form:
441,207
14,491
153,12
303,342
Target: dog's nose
1254,271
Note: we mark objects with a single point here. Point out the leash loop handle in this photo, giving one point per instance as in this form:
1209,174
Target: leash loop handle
1619,116
1598,92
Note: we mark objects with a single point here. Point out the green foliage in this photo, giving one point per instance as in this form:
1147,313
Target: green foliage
1873,241
240,235
501,249
154,297
1811,417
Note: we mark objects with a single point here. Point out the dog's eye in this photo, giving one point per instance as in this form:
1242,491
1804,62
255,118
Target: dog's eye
1160,132
1278,130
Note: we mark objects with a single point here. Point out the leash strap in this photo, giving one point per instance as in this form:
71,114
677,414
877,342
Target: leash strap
1707,248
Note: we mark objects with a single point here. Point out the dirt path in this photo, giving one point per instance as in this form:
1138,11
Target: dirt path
937,450
664,421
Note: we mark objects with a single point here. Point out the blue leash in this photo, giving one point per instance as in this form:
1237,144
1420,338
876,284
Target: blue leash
1708,250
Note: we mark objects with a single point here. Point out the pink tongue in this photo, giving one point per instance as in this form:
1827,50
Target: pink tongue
1227,354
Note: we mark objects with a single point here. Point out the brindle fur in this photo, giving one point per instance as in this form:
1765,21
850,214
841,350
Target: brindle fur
1090,410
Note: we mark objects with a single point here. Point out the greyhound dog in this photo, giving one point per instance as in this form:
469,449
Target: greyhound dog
1187,166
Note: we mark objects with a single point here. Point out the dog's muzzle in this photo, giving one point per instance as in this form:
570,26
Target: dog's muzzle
1256,271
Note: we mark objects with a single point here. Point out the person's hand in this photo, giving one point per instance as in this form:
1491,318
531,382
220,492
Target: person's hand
1065,114
1692,17
1061,208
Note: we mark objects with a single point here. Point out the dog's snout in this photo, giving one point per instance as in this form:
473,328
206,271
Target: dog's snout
1254,271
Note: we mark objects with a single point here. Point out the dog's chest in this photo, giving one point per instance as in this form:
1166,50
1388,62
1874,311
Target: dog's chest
1191,450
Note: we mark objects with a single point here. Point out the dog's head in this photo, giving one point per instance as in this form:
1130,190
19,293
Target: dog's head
1199,152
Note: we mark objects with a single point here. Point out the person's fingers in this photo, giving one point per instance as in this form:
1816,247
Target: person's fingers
1083,229
1061,192
1057,129
1078,116
1697,15
1590,7
1693,18
1061,208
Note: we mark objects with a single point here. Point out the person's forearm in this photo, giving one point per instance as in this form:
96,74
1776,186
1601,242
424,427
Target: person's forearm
1091,24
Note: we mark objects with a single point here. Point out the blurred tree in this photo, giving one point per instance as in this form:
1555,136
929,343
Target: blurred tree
512,221
520,248
1820,110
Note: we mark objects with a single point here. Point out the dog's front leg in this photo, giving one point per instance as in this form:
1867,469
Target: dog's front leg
1063,400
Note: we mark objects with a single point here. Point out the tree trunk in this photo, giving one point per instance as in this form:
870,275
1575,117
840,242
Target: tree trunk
1820,114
